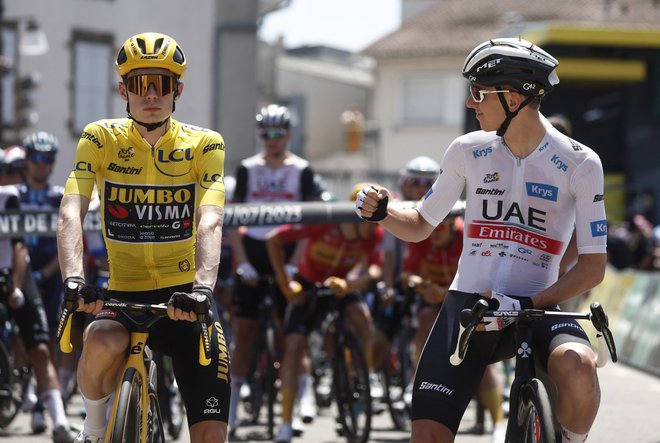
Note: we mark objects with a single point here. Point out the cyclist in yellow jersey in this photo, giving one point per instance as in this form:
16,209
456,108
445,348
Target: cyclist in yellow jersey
161,189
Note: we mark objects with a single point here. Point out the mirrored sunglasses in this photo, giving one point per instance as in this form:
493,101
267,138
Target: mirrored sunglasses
267,134
140,84
42,158
478,94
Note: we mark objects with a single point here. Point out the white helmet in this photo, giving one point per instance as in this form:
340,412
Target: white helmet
422,166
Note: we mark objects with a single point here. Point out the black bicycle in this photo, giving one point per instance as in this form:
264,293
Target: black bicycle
14,377
265,362
530,413
350,373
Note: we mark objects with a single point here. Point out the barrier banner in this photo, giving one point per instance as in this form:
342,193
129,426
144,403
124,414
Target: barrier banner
44,223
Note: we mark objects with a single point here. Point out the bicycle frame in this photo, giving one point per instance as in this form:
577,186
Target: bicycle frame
525,386
138,362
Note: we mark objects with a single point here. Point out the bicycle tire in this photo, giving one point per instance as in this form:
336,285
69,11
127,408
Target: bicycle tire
398,373
13,386
263,389
156,433
533,422
351,386
127,424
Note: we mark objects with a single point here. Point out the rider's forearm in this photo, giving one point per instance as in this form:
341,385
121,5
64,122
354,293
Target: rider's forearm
586,274
19,263
236,243
406,224
70,236
208,244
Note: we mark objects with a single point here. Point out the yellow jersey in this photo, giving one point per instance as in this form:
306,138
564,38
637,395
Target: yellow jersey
149,195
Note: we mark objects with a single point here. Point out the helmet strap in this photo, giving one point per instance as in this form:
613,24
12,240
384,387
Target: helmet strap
509,114
148,126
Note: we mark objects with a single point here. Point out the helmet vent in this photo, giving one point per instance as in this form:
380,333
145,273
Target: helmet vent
157,45
142,45
121,57
178,56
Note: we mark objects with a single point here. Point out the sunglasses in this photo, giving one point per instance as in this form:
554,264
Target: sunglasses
275,134
425,182
478,95
42,158
140,84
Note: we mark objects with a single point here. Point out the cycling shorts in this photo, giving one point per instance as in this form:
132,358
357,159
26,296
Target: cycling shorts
205,389
302,319
442,391
246,298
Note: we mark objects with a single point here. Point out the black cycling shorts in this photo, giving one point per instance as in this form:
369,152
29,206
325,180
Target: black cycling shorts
205,389
302,319
245,298
442,391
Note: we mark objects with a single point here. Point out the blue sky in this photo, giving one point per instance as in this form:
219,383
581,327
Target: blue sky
345,24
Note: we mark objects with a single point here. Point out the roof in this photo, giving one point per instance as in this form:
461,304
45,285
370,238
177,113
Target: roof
455,26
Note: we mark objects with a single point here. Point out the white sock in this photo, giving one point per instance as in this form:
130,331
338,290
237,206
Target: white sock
95,420
52,399
234,399
571,437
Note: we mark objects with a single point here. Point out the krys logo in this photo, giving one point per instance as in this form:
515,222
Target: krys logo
175,162
482,152
599,228
540,190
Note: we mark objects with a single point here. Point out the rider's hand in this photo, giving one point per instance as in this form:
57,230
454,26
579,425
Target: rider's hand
293,292
338,285
247,273
184,305
291,270
90,298
371,203
501,302
16,299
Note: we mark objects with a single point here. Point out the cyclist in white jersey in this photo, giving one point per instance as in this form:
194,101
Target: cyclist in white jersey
527,186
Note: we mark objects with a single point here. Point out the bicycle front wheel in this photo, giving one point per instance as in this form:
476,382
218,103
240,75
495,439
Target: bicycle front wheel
127,424
351,384
535,414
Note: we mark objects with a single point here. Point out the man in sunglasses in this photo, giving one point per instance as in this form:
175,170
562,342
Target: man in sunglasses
161,189
273,175
527,187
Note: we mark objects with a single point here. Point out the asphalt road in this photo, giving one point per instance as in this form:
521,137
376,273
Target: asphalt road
628,413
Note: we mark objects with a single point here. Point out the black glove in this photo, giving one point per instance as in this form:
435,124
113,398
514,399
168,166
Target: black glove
91,294
381,208
199,301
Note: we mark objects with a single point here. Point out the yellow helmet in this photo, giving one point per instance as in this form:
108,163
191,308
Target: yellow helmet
151,50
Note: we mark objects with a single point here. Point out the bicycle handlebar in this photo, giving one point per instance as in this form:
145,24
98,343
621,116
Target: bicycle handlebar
63,331
470,319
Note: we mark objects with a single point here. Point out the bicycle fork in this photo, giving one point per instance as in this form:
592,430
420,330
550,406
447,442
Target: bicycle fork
135,360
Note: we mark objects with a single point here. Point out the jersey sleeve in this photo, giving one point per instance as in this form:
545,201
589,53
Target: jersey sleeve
591,223
89,158
210,165
449,185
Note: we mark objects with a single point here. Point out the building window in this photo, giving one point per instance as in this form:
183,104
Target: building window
8,79
431,99
93,59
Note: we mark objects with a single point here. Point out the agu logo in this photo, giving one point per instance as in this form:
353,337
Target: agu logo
212,406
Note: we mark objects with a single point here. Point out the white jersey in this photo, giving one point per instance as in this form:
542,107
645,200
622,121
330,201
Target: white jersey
520,213
258,182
